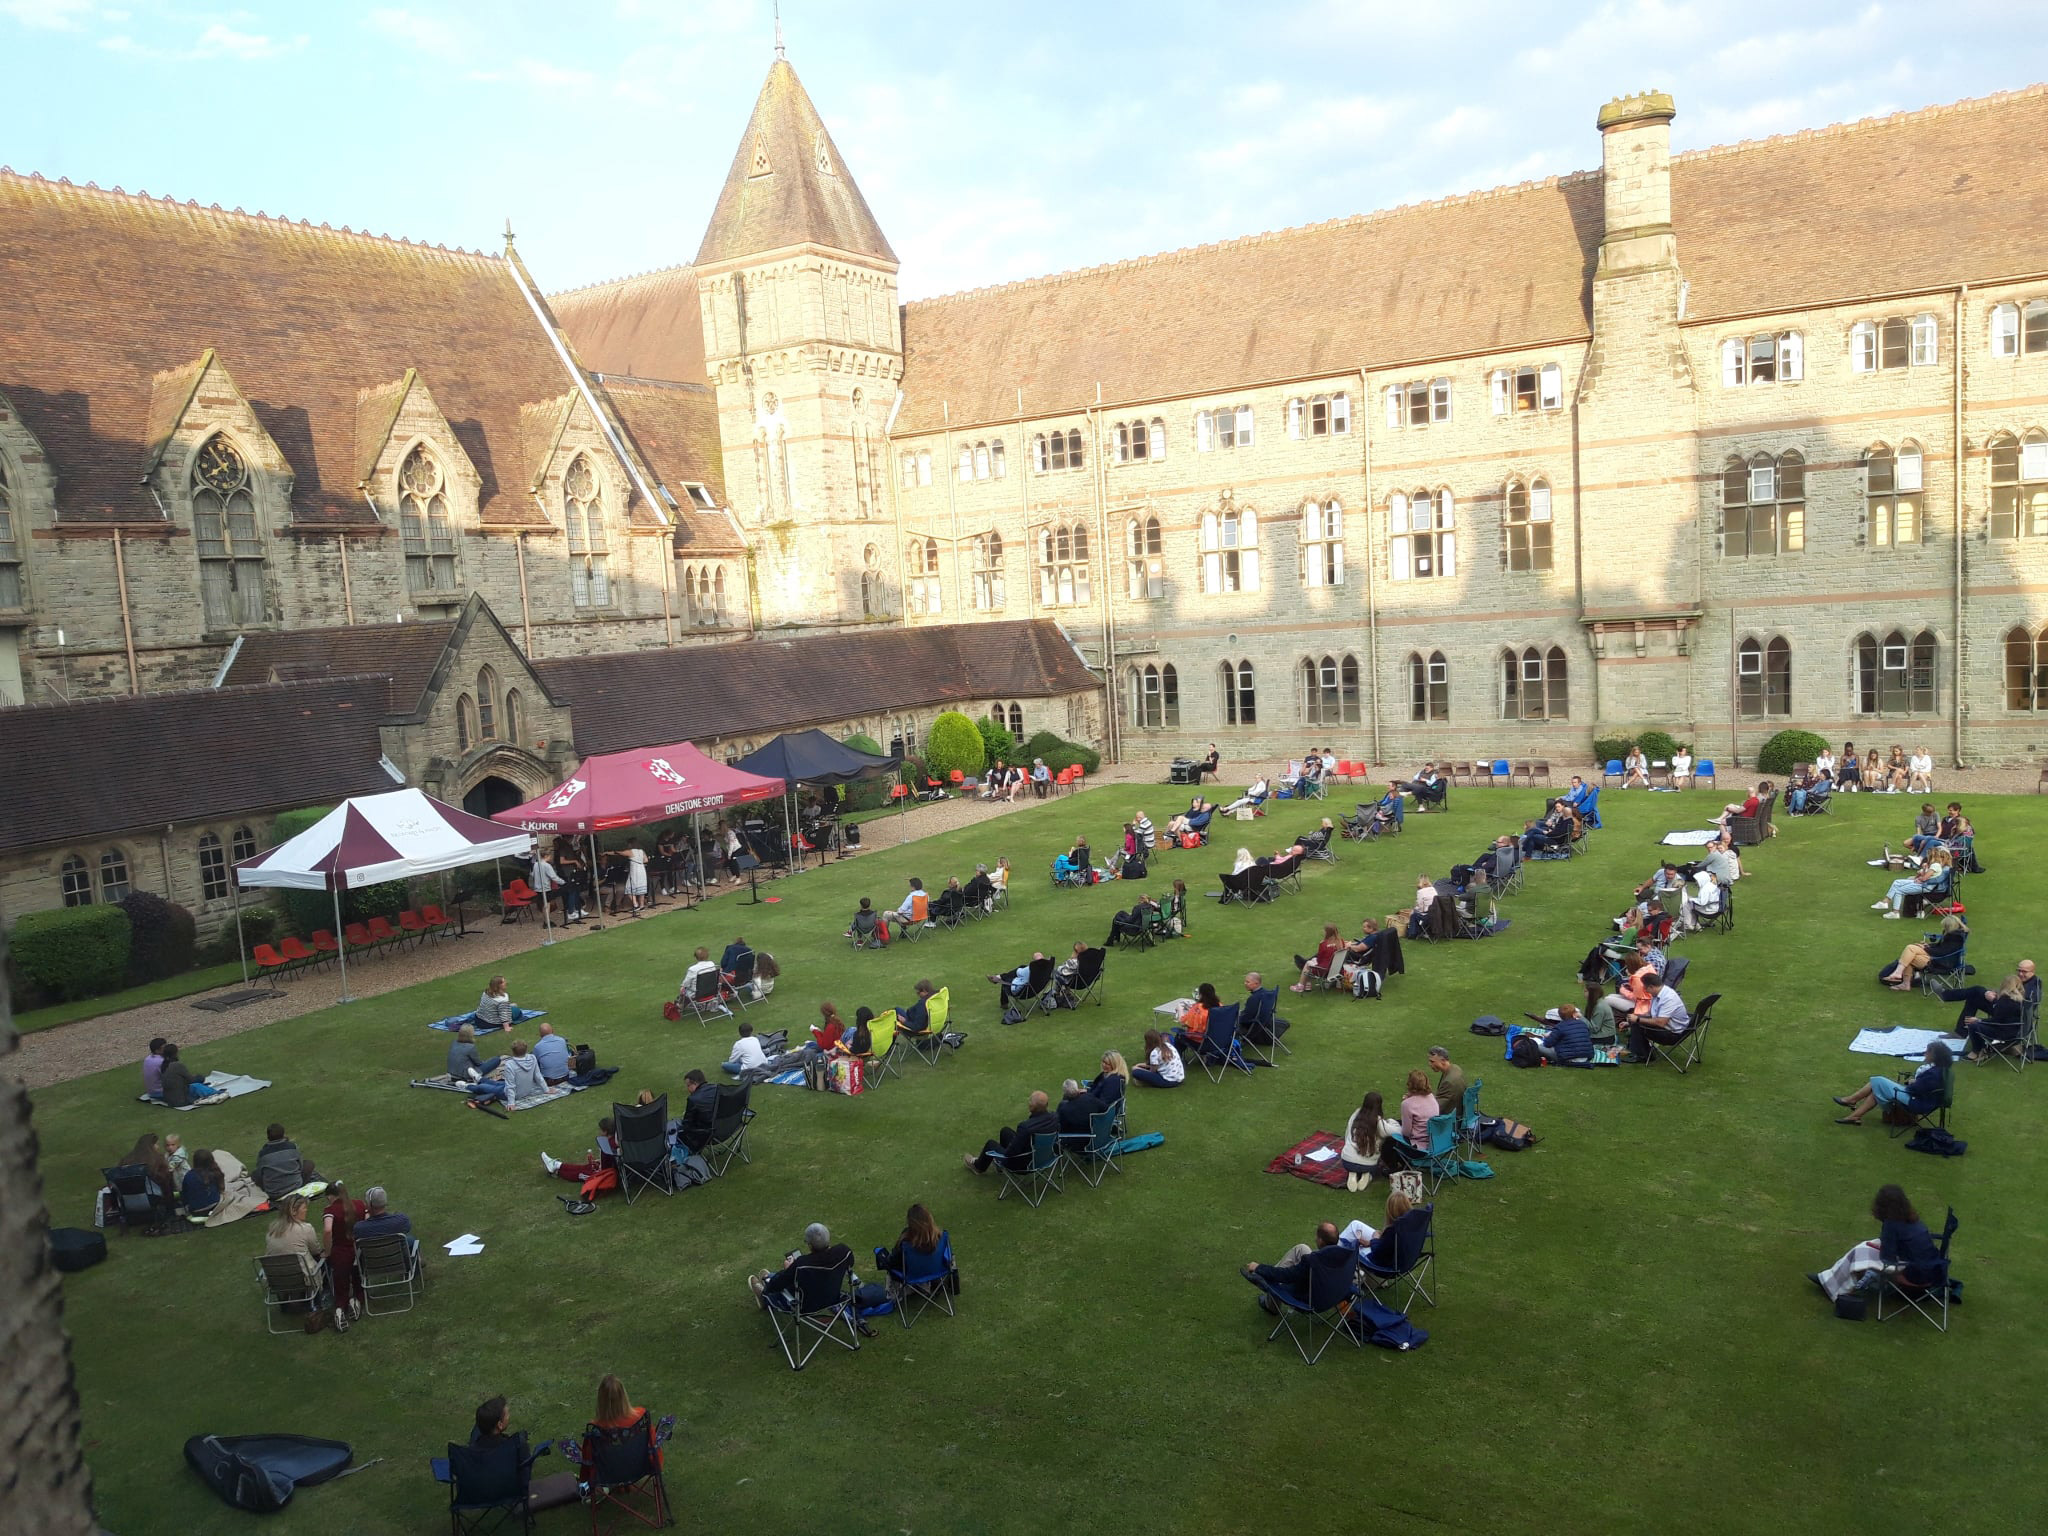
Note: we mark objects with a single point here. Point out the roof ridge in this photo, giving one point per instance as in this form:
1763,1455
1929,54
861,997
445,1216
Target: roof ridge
629,277
1864,124
136,700
1346,220
259,218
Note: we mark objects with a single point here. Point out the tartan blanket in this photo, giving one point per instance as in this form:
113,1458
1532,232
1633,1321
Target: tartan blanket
1295,1160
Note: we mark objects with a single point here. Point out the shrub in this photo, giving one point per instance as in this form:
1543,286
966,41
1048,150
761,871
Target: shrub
259,926
1060,754
1786,748
313,910
996,741
72,952
953,744
1612,749
867,794
162,937
1658,746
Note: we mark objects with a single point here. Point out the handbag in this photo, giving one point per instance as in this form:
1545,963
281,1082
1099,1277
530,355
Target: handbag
1407,1182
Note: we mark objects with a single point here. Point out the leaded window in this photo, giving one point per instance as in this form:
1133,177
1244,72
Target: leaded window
10,547
224,528
424,525
1763,678
590,583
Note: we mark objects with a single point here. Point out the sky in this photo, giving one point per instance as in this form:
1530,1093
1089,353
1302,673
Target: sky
994,142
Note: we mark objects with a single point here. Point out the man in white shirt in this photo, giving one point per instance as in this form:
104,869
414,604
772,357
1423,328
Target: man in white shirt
906,910
702,963
1250,798
746,1052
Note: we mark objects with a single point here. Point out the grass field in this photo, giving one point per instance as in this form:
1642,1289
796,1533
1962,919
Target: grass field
184,984
1624,1340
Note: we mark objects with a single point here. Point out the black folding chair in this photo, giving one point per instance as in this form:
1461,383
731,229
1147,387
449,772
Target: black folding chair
1926,1294
488,1485
643,1150
620,1471
1033,990
729,1123
1686,1050
1087,980
820,1308
737,984
705,996
1332,1287
1284,874
949,908
1260,1029
1413,1260
138,1199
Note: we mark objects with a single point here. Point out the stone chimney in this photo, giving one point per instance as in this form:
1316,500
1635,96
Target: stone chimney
1635,153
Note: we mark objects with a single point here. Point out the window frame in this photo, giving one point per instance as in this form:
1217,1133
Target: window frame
1239,681
1406,551
1429,688
1763,692
427,542
233,560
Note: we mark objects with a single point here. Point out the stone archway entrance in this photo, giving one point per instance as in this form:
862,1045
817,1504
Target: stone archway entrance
491,794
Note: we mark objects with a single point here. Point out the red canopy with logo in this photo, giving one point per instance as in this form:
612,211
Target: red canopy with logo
630,789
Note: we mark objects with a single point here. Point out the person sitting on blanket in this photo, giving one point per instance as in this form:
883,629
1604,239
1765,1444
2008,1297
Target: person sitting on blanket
1193,1027
1132,920
1076,1105
1417,1105
522,1079
279,1168
464,1063
552,1052
203,1185
1013,1143
1163,1067
826,1033
174,1154
153,1069
1568,1040
700,1110
1902,1239
1940,947
747,1054
1664,1018
180,1088
147,1155
1366,1147
494,1009
818,1252
1110,1084
1292,1273
1320,968
381,1221
1929,877
603,1158
1991,1016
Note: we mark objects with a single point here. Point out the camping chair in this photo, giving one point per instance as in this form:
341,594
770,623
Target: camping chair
1675,967
1723,920
1260,1030
1947,967
738,983
1317,846
926,1043
1687,1050
1929,1298
1041,1174
387,1267
2019,1050
488,1486
1087,981
878,1063
950,910
911,929
1220,1049
1439,1160
1074,877
1935,1115
1093,1154
1332,1287
1589,817
620,1469
729,1120
1253,886
865,931
1414,1257
286,1287
1150,930
1283,871
923,1281
706,996
1034,988
138,1200
1468,1116
641,1140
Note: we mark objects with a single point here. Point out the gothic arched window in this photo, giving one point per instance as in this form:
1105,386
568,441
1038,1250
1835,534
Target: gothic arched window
425,527
224,528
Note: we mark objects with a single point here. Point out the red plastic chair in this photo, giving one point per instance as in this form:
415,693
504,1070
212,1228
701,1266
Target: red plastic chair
434,917
959,778
324,946
268,959
898,791
295,953
415,929
382,931
358,937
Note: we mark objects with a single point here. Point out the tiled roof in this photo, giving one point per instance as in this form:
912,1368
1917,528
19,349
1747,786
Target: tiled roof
1919,200
762,686
647,326
107,300
131,766
403,655
788,185
676,425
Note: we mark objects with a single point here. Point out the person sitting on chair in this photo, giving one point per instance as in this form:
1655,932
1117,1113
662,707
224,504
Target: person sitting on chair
747,1054
1319,968
1110,1083
1292,1273
380,1220
1365,1148
1041,778
1417,1105
1552,830
1193,1027
1014,982
906,909
1635,769
1066,868
818,1252
701,963
952,901
917,1018
1251,799
980,891
1991,1015
1013,1143
1568,1040
1163,1067
292,1235
494,1009
1450,1080
1749,805
1664,1020
1902,1239
1920,1095
1132,920
1076,1105
1941,947
1681,769
1702,902
1930,877
1148,835
867,926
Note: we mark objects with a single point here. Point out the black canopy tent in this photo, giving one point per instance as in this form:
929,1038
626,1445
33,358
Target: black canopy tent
812,757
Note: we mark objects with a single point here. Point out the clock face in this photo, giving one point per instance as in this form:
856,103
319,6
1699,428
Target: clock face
220,467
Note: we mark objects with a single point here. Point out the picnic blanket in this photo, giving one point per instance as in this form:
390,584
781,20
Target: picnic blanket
793,1078
455,1021
1698,839
225,1086
1900,1041
239,1193
467,1089
1314,1158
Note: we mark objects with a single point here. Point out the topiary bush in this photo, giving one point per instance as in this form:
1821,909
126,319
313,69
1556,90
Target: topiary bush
1786,748
997,744
72,952
1059,753
1658,746
162,937
953,743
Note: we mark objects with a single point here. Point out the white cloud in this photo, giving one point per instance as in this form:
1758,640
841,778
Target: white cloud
429,34
220,40
51,15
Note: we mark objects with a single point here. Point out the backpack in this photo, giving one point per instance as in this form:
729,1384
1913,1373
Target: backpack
690,1170
1523,1051
1488,1024
1133,868
1935,1139
1508,1135
1365,982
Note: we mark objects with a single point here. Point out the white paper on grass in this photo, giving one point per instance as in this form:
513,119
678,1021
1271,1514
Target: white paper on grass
1322,1154
468,1243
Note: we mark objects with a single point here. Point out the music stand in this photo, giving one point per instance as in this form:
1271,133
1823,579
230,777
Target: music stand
749,863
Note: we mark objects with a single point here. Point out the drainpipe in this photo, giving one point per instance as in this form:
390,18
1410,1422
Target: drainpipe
127,620
895,501
1112,727
163,852
952,472
1956,474
348,597
1734,704
1024,500
1372,616
525,607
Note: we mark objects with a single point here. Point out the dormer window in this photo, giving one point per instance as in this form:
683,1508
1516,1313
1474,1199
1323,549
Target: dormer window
426,529
224,528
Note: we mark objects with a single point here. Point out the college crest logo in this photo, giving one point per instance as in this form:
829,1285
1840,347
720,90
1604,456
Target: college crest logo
569,791
660,768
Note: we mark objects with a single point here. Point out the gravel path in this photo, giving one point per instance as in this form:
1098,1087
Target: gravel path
117,1039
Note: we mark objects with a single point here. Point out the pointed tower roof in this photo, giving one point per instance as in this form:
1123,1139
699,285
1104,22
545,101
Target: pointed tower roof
788,186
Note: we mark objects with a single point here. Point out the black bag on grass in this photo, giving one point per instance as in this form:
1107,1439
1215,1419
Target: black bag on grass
260,1473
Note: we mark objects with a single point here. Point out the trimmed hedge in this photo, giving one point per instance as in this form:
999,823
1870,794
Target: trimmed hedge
1786,748
259,926
1059,753
162,937
996,741
72,952
1658,746
953,744
866,794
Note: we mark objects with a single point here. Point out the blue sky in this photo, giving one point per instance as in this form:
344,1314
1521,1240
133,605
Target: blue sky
994,142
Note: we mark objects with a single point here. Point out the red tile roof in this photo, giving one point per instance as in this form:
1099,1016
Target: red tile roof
647,326
403,655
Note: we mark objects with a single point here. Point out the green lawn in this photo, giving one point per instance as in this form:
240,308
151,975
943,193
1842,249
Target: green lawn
184,985
1624,1340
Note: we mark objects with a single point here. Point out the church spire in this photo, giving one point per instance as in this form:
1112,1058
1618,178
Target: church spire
787,185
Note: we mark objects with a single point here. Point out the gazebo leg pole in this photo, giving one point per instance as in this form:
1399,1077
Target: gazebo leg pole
547,928
341,946
596,884
241,949
697,837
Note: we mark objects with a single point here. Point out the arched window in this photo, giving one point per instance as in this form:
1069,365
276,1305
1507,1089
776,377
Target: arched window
1763,505
1297,417
1534,685
871,581
981,461
1240,694
1144,684
1226,426
1894,343
1891,483
2019,485
922,563
988,572
1526,522
1763,678
2005,330
997,464
2026,671
486,704
244,844
1017,722
515,716
465,723
1896,675
1322,544
75,877
718,595
2034,328
425,529
1422,541
966,462
113,875
1155,436
1063,580
213,868
1145,564
224,529
924,467
1429,686
590,583
1041,459
1169,695
1230,551
906,471
1329,690
10,546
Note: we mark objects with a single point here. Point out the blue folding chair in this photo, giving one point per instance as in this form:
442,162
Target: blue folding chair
1259,1027
1040,1176
1410,1257
1220,1049
1439,1160
1092,1153
1332,1286
1468,1115
488,1485
1591,814
923,1280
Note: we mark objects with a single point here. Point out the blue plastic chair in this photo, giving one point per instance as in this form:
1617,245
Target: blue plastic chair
1612,771
1500,770
1703,771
